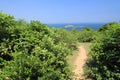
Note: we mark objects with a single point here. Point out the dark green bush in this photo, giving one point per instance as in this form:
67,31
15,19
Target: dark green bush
104,61
31,51
86,35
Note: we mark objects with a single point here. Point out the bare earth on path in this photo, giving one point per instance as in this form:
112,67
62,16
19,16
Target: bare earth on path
79,62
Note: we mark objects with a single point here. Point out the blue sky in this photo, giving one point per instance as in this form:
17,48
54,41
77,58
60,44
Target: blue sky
63,11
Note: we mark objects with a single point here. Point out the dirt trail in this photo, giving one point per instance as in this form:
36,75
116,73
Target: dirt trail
79,63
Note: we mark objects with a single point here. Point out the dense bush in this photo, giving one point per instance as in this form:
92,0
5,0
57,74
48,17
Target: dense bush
109,26
32,51
108,29
66,36
104,61
86,35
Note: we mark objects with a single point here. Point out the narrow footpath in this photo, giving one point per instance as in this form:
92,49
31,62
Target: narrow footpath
79,62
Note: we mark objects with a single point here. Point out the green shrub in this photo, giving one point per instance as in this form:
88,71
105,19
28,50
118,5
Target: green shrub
30,51
86,35
104,61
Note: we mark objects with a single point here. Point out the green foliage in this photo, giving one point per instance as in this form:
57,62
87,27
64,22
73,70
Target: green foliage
86,35
68,37
6,21
109,26
32,51
109,29
104,61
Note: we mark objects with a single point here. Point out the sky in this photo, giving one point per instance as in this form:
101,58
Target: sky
63,11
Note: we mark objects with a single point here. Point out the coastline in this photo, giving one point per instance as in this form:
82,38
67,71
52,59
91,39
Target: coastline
78,26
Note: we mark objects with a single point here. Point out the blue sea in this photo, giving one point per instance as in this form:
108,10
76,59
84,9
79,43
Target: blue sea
78,26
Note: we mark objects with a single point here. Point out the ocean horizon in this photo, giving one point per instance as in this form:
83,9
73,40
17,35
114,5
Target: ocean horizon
78,26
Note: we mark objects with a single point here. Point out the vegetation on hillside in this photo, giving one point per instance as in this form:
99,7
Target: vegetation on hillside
35,51
104,61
